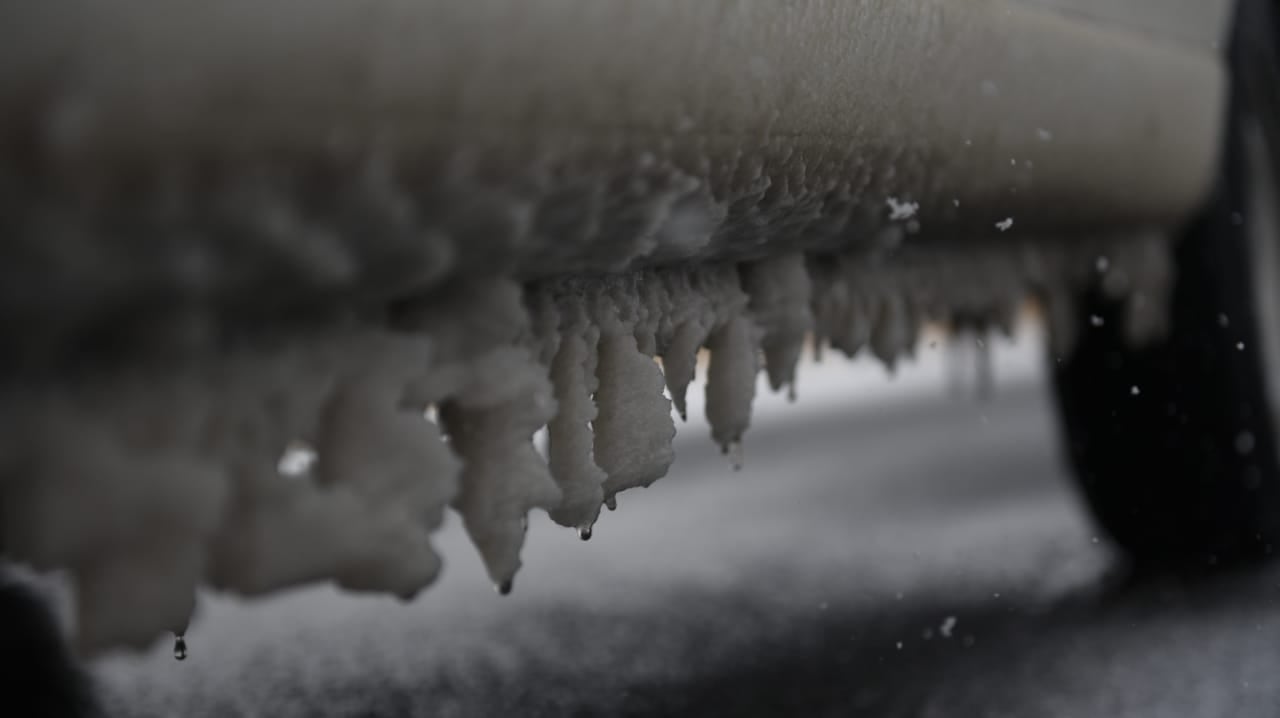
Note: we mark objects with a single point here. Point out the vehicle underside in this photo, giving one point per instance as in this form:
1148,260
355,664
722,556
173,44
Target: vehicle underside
399,239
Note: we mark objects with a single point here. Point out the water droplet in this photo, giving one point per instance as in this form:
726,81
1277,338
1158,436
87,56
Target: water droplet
504,588
899,645
1239,346
1096,320
1102,265
1094,539
1244,442
611,503
948,625
1134,390
179,647
1044,135
584,533
1223,321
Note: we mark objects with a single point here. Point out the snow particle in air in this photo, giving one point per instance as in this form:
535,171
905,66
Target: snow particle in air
901,210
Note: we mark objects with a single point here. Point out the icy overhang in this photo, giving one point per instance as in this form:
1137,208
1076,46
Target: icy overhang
250,156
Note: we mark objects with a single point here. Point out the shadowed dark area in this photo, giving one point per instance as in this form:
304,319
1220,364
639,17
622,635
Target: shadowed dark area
39,675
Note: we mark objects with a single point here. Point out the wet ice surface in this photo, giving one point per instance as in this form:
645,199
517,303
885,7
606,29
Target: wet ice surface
822,578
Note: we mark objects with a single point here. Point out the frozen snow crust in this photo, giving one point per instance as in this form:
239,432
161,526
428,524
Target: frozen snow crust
150,477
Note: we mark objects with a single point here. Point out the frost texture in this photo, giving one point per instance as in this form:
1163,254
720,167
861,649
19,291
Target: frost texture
148,482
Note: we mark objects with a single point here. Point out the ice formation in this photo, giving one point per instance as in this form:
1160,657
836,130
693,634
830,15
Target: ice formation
147,481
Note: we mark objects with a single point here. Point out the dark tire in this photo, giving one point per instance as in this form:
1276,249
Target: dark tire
1184,470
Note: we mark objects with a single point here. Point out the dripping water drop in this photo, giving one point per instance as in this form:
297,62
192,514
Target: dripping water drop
179,647
611,503
584,533
504,588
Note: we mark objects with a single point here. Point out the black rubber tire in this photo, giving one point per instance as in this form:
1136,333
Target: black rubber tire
1184,470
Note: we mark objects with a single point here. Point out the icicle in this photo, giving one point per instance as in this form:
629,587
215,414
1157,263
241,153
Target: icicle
679,362
129,598
503,477
396,463
633,427
569,438
780,292
731,380
892,331
854,324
